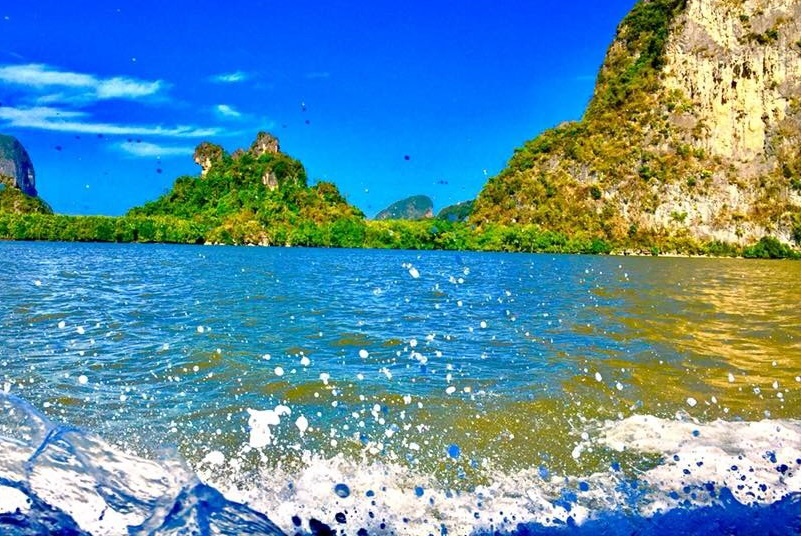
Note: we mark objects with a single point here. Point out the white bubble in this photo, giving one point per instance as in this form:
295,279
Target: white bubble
215,457
691,401
619,386
37,282
414,272
302,424
598,377
80,330
62,324
324,377
363,354
279,371
483,324
200,329
82,379
731,378
451,390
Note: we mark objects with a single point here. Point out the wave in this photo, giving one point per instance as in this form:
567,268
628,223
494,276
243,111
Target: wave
721,477
59,480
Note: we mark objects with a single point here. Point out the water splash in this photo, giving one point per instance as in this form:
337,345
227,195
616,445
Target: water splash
59,480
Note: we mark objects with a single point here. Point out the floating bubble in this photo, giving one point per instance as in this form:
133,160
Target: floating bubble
363,354
453,451
342,490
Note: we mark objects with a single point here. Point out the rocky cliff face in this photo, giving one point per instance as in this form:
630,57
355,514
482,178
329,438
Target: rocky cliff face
16,168
692,133
738,63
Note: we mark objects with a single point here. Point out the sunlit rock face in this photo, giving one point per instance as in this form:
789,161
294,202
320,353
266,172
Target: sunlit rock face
738,62
264,143
16,168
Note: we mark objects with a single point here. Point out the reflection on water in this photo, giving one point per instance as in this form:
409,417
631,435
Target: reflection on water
723,329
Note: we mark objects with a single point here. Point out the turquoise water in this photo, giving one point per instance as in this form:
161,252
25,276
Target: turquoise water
437,381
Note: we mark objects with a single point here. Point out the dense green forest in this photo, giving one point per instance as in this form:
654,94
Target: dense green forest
428,234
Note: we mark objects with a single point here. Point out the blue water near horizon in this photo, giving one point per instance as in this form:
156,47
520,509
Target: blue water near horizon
445,392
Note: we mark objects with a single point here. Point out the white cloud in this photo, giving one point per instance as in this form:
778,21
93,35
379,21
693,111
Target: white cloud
41,75
126,88
231,78
146,149
53,119
227,111
85,87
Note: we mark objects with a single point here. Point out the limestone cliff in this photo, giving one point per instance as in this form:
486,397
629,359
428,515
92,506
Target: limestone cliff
16,168
692,133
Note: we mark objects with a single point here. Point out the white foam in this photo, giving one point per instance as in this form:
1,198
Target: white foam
215,457
737,455
259,423
12,500
524,495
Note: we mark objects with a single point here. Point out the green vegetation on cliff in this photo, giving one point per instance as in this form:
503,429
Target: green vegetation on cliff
13,200
636,171
258,196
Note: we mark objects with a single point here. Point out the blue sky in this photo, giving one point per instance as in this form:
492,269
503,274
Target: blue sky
110,98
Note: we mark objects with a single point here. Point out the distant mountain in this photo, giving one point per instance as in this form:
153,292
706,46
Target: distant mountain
412,208
459,212
692,134
18,180
259,195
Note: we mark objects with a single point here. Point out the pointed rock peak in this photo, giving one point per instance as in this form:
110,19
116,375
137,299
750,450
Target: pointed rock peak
206,155
16,168
265,143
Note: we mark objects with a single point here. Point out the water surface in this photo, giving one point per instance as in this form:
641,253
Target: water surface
448,372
